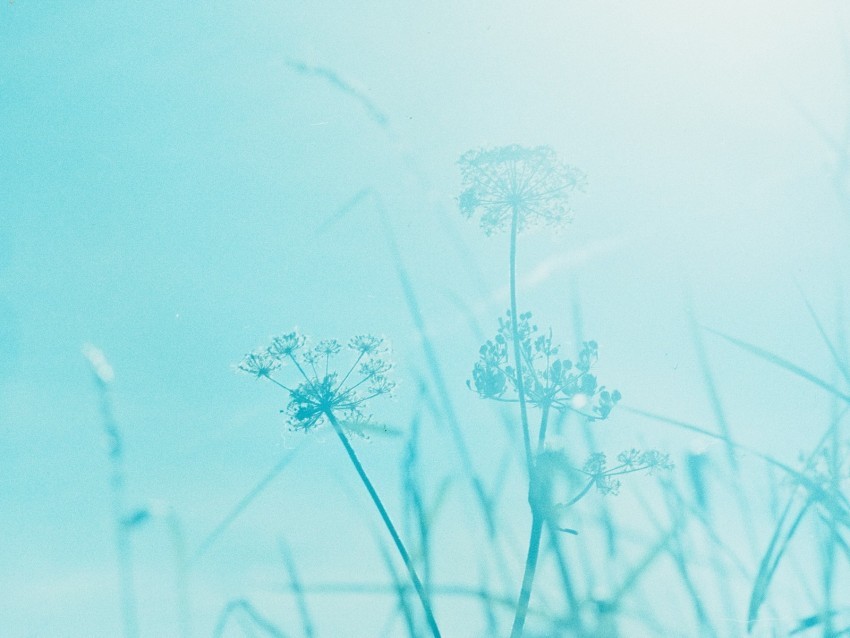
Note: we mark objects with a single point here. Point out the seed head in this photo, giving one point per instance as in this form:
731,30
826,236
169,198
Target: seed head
259,364
320,390
285,345
548,379
529,181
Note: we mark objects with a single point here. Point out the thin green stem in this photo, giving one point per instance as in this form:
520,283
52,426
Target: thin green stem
277,383
348,374
575,499
544,421
537,519
535,491
520,385
301,370
528,577
405,556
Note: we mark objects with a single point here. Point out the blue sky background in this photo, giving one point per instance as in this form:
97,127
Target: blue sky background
166,175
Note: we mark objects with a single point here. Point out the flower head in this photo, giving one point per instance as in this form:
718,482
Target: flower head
605,479
531,182
367,344
548,378
283,346
259,364
320,390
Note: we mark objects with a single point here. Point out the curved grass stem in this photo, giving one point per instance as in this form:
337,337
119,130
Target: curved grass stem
405,556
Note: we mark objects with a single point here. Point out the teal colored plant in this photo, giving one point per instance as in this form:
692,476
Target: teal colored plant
321,395
513,188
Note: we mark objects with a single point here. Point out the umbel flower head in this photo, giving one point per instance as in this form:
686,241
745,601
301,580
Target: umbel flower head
320,390
530,182
548,378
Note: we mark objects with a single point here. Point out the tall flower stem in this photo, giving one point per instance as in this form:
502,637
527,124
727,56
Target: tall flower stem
520,385
528,576
405,556
537,520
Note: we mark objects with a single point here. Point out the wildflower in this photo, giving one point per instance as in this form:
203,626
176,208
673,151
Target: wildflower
366,344
321,391
283,346
328,347
259,364
548,379
529,183
604,478
323,395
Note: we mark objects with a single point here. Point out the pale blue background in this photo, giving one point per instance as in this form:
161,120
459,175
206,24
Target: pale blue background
163,175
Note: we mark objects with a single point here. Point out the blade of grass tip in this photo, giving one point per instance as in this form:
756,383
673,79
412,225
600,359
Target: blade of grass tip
409,161
335,80
248,610
307,625
840,363
103,375
771,559
243,504
782,363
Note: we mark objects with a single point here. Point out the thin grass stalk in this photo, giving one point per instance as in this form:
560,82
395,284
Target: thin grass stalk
564,574
248,610
676,551
122,530
436,373
178,541
402,550
400,590
297,590
242,505
502,543
416,502
723,424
